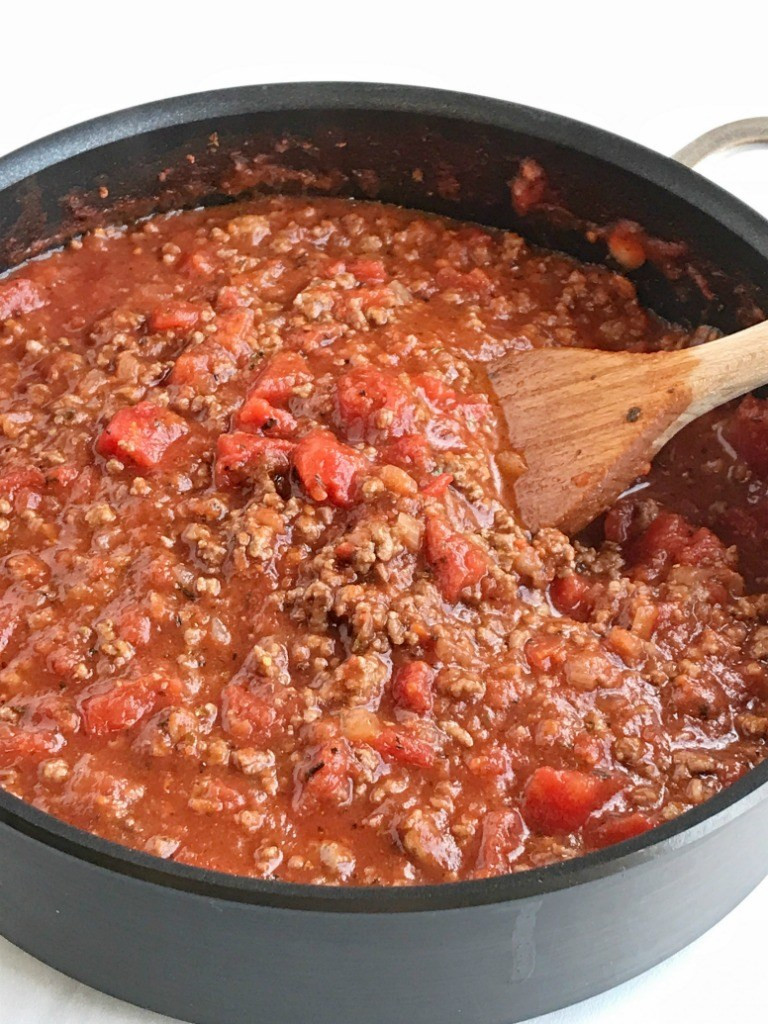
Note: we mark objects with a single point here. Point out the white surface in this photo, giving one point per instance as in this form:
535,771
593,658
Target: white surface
657,73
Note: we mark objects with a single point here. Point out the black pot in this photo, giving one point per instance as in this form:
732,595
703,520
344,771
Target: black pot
217,949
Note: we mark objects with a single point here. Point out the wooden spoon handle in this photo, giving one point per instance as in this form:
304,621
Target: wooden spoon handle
587,422
726,368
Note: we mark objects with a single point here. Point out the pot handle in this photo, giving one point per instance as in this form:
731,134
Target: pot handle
733,135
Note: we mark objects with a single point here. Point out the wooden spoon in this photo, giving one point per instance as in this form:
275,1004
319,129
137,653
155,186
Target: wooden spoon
587,424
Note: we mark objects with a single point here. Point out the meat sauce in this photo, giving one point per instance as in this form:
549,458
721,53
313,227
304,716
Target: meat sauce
265,604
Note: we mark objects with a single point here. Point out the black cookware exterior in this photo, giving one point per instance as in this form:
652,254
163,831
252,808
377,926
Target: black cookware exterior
215,949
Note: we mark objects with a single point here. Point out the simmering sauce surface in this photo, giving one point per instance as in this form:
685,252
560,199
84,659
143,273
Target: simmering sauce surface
265,606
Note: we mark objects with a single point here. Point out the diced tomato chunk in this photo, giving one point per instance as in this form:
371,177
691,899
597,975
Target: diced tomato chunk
437,486
245,715
747,431
195,364
19,296
561,801
412,686
174,316
197,263
233,332
501,843
124,704
328,469
368,271
141,434
326,775
371,404
134,626
205,364
239,454
661,541
410,451
258,412
436,391
457,563
399,746
573,596
278,379
545,653
450,410
670,539
18,744
618,828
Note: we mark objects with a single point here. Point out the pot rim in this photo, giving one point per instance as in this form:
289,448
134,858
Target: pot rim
687,186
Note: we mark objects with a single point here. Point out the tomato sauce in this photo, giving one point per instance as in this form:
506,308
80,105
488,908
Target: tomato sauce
265,604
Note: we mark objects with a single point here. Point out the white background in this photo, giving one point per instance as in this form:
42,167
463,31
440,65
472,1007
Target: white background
657,73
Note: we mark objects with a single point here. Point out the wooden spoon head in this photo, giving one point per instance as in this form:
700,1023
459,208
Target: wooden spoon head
587,424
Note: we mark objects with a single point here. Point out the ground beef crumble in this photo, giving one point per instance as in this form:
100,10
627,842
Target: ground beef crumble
265,606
